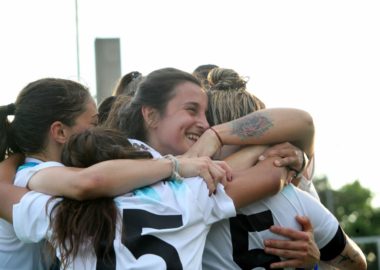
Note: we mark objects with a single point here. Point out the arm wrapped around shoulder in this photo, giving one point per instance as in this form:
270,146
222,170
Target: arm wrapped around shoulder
255,183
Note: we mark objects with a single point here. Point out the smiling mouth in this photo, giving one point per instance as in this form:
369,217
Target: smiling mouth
192,137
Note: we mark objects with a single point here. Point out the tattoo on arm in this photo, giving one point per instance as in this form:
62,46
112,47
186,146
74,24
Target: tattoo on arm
345,258
251,126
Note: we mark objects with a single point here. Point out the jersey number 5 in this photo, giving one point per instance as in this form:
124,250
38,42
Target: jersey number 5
134,220
239,227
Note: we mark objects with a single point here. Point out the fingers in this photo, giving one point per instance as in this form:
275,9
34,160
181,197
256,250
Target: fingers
227,169
290,233
288,156
213,172
278,150
287,161
220,172
301,250
298,253
293,263
211,185
283,264
305,223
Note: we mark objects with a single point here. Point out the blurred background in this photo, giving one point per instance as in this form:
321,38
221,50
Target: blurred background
320,56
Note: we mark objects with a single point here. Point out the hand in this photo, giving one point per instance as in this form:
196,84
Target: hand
207,145
291,156
213,172
301,250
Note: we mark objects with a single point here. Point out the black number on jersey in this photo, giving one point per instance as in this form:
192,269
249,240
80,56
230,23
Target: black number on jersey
240,226
134,220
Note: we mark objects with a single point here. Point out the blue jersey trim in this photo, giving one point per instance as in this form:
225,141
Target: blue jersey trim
149,192
27,165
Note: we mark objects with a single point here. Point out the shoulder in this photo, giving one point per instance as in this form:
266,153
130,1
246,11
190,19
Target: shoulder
29,168
143,146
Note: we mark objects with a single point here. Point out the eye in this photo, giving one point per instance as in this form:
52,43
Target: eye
192,110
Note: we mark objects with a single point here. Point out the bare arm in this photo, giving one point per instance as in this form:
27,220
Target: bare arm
255,183
114,177
246,157
267,126
8,168
9,195
351,258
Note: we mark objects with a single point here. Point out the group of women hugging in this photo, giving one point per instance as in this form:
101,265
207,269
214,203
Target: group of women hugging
182,172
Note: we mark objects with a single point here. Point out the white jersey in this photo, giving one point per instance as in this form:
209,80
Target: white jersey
237,243
15,254
163,226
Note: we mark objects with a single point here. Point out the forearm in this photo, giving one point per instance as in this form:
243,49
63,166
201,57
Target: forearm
9,195
245,158
270,126
104,179
8,168
256,183
352,257
111,178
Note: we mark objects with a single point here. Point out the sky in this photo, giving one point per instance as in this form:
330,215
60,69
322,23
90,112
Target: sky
320,56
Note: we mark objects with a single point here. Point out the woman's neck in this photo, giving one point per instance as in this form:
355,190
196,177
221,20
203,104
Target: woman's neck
44,156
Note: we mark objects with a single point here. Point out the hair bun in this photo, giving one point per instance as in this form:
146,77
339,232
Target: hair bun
225,79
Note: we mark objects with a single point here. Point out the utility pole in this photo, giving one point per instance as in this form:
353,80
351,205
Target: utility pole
77,39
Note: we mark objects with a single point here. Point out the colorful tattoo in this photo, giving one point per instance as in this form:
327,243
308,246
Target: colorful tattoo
251,126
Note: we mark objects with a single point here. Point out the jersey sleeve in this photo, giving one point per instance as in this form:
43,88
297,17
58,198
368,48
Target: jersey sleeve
31,217
325,224
23,179
216,207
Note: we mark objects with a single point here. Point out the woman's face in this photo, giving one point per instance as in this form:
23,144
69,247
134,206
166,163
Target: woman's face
88,119
183,121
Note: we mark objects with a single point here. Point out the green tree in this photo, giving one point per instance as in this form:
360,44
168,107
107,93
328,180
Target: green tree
351,204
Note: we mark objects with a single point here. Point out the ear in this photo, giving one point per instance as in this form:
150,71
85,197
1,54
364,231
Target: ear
151,116
59,132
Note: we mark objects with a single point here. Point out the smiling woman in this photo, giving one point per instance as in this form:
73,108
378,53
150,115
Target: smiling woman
331,70
171,103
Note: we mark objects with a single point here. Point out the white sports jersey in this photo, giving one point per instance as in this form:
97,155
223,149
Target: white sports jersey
163,226
237,243
15,254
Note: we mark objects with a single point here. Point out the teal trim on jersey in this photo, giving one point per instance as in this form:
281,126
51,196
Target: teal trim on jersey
147,192
27,165
175,184
289,189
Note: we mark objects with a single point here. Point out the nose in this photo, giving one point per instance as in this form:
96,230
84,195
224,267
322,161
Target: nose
202,122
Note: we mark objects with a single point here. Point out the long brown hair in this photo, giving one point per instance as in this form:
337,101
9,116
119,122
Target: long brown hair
89,224
155,91
38,105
